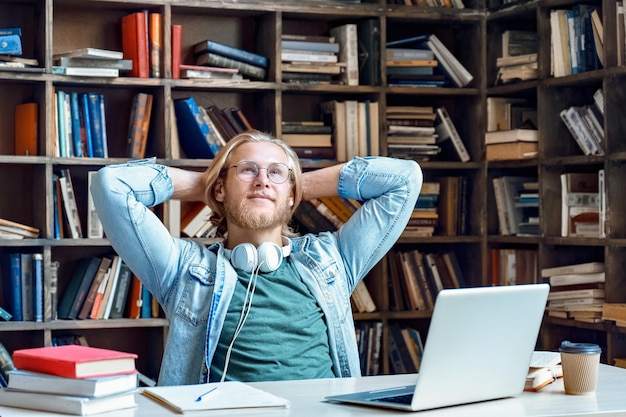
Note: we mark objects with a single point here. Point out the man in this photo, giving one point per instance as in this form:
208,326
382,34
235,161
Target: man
285,315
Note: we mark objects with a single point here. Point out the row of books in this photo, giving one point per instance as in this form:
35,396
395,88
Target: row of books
91,62
369,340
586,124
456,4
324,214
66,210
583,205
510,266
22,286
577,291
202,131
405,349
577,40
105,288
417,278
80,125
517,205
71,379
424,219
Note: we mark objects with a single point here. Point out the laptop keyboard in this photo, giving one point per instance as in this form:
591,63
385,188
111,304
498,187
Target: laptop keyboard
398,399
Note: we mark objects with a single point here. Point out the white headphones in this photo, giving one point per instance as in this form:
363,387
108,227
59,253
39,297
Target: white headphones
268,256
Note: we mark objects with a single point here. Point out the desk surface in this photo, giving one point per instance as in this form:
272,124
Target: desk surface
307,400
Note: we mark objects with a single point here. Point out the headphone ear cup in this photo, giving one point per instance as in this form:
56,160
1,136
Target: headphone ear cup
245,257
270,256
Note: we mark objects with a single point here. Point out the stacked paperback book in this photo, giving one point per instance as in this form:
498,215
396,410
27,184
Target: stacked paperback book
576,291
71,379
91,62
214,54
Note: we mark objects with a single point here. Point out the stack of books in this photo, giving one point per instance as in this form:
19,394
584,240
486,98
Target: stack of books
519,56
310,59
13,230
71,379
586,124
91,62
214,54
576,291
411,132
309,138
413,67
425,216
11,50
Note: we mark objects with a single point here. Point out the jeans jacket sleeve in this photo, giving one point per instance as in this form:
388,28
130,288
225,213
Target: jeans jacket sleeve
122,195
388,189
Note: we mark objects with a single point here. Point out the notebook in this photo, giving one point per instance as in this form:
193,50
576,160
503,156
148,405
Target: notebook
478,348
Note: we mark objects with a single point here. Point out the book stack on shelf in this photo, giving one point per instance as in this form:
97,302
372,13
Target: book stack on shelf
586,124
80,125
11,52
615,312
447,64
214,54
577,40
212,74
91,62
413,67
517,205
324,214
196,222
425,216
403,125
22,286
71,379
576,291
14,230
310,59
369,340
511,129
512,266
310,139
518,61
582,206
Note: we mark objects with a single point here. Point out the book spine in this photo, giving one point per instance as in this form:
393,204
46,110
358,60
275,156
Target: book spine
13,275
97,128
94,226
88,123
346,36
305,57
75,115
177,40
454,134
69,203
38,291
135,43
26,129
156,43
26,272
310,46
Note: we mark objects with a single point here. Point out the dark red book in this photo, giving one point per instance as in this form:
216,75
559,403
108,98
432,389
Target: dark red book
75,361
177,41
135,44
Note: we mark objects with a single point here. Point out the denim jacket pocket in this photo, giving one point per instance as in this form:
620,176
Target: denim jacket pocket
195,299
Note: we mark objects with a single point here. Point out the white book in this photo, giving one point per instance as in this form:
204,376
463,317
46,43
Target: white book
116,265
445,56
352,134
93,53
86,71
374,121
70,206
446,130
307,57
567,117
171,216
576,270
557,64
346,36
94,226
337,110
363,125
197,222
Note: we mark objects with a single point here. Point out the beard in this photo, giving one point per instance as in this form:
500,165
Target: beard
244,217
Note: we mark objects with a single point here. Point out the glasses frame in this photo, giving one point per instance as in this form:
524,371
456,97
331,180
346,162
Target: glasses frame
258,171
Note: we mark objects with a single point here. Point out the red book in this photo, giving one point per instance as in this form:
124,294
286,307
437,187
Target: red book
26,130
75,361
177,40
135,44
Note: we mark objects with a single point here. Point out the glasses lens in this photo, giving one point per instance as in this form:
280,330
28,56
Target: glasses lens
247,171
278,173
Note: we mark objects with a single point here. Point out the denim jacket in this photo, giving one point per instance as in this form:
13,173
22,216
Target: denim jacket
194,283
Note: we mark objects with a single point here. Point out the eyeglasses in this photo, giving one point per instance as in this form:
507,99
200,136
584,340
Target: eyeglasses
248,171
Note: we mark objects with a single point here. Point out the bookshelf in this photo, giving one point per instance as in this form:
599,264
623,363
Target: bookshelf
51,26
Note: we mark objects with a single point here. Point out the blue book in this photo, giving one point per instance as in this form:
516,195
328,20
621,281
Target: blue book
414,41
231,52
10,45
10,265
97,127
75,113
37,268
10,31
63,152
86,118
146,303
193,130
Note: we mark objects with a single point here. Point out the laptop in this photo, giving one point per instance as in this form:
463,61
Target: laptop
478,348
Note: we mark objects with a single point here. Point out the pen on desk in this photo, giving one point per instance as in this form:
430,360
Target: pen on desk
201,396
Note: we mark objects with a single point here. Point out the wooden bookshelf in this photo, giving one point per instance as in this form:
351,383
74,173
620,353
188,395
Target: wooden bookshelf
472,35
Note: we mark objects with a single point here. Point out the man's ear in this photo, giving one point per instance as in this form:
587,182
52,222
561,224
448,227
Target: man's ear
218,191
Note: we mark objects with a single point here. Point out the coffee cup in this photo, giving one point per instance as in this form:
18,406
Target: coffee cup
580,362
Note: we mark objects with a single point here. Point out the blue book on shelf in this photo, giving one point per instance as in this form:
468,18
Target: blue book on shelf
75,113
231,52
146,303
37,275
98,136
414,42
85,115
10,45
193,130
10,31
11,272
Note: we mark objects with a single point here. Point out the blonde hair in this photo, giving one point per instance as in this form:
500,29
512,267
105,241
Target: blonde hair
216,173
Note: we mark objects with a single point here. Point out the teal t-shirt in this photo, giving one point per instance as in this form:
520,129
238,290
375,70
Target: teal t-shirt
284,336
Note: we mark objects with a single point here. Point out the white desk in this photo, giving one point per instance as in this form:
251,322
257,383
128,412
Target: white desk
307,400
